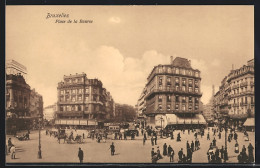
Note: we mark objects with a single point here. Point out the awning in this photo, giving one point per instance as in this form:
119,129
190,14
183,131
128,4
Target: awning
249,122
174,119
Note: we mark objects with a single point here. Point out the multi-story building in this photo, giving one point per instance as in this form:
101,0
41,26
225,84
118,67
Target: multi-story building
36,104
82,102
141,104
236,95
14,67
173,95
22,104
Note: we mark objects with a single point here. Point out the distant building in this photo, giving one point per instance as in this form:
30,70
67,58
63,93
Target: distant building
208,109
236,95
172,96
82,102
13,67
49,112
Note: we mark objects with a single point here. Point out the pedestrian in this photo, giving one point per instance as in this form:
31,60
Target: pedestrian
239,158
172,156
152,141
169,150
112,149
10,144
208,138
222,152
12,150
83,135
192,146
145,136
214,142
154,156
235,136
155,139
236,148
187,145
164,149
180,154
250,153
80,155
143,141
219,135
159,156
196,145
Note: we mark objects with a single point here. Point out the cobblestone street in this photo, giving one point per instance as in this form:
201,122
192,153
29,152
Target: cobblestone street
127,151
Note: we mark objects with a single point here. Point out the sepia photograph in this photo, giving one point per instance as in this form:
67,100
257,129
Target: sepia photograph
129,84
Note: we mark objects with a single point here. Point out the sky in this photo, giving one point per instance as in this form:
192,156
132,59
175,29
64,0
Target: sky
123,43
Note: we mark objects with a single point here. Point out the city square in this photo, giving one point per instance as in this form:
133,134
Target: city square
178,90
126,151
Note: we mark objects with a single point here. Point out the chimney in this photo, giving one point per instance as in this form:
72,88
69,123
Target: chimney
171,59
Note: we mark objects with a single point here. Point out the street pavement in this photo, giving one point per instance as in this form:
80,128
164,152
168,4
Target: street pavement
126,151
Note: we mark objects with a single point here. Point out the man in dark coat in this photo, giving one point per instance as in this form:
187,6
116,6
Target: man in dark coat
172,156
169,150
250,153
222,152
155,139
192,146
80,155
208,138
187,145
112,148
235,136
152,141
219,135
180,154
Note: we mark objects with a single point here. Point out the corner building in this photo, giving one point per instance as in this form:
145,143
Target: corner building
82,102
236,96
173,95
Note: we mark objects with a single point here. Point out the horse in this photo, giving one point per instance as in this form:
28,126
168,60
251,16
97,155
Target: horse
62,137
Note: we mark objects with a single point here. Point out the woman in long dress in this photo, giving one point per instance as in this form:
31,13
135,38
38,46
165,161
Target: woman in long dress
165,149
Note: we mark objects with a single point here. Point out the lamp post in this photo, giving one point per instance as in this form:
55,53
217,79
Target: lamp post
226,120
161,125
39,151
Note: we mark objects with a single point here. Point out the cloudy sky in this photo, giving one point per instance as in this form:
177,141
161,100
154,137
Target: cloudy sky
123,44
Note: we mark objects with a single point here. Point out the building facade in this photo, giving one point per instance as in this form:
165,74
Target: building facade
173,89
236,95
14,67
82,102
23,105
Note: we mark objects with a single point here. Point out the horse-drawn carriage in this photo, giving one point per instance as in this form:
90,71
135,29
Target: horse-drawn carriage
78,139
23,137
69,139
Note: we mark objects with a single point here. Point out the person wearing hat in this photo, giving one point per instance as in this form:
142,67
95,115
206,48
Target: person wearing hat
112,149
159,156
10,144
80,155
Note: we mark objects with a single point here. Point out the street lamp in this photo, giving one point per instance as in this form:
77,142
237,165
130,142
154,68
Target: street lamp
161,125
39,151
226,120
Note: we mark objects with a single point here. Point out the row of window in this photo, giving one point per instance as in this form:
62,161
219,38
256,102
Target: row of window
79,91
79,98
177,81
178,98
78,108
183,107
178,71
74,80
242,100
242,89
